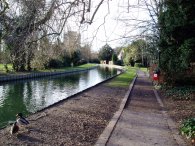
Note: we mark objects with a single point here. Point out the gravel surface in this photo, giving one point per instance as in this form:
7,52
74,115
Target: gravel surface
77,121
179,110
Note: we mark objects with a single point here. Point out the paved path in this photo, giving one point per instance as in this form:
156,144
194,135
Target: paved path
143,122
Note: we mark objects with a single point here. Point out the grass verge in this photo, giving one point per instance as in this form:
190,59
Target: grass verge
84,66
124,79
144,69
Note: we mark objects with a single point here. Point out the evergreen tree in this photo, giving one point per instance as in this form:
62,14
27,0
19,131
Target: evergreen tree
177,37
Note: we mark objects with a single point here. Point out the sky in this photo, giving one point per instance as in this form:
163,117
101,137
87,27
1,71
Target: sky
108,26
114,23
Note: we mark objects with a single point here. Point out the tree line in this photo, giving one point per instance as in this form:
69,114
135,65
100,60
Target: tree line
30,33
177,38
170,36
31,30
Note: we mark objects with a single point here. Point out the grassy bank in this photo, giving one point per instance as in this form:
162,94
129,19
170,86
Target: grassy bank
144,69
84,66
124,79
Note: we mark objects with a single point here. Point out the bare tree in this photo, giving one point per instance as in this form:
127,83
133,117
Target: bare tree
149,29
72,42
86,52
26,17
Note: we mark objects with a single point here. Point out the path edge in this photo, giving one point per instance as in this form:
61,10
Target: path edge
170,122
104,137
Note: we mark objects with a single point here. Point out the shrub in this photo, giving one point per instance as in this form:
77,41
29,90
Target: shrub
119,62
181,93
95,60
132,62
53,63
81,62
188,128
139,65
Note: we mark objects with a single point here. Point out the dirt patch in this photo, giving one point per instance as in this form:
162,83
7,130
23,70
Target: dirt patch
179,110
77,121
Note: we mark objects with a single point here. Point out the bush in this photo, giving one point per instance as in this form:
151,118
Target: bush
132,62
81,62
55,64
95,60
185,80
188,128
181,93
139,65
119,62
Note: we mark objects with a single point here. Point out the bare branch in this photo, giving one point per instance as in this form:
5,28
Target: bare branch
83,15
91,21
3,5
47,16
89,7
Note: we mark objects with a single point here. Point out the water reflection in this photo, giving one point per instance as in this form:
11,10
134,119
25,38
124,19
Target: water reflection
32,95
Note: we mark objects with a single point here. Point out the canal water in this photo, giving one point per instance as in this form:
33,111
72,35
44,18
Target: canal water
29,96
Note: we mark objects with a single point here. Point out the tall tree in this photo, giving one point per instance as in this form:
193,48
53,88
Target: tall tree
19,28
136,52
106,53
24,18
86,52
177,38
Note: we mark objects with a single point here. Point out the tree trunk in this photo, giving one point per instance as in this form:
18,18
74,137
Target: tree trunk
18,56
